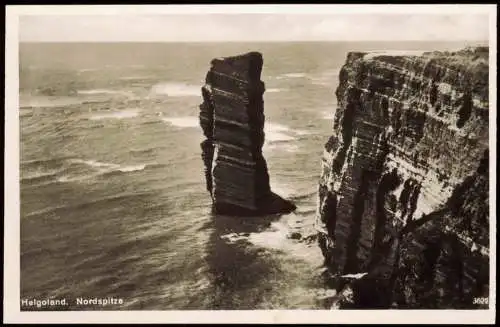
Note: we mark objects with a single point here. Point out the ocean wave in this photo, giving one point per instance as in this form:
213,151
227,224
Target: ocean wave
328,75
282,188
77,178
38,177
273,136
47,171
116,114
278,237
306,212
328,82
49,102
94,163
328,78
275,90
84,70
115,197
102,91
302,132
134,78
41,171
329,115
291,75
110,166
99,168
332,72
275,132
277,127
45,161
143,151
25,112
187,121
176,89
327,111
127,169
281,146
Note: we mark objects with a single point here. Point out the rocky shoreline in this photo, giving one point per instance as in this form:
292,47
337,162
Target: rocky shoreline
403,207
404,187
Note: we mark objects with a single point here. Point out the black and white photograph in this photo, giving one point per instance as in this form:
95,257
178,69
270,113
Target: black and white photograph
250,163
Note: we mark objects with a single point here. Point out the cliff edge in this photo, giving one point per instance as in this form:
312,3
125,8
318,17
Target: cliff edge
403,193
232,119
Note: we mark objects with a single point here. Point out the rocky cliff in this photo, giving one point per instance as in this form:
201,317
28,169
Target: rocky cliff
403,193
232,119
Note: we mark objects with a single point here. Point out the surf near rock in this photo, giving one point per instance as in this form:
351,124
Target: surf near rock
232,119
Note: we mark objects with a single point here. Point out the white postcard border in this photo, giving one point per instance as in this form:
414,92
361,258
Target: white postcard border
12,313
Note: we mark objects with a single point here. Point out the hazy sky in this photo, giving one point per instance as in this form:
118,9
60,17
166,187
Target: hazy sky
253,27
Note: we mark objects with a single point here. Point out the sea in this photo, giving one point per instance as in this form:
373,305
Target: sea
113,197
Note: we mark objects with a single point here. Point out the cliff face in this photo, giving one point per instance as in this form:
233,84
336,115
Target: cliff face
232,119
403,193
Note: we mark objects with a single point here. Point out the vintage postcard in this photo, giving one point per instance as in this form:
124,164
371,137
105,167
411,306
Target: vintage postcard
250,164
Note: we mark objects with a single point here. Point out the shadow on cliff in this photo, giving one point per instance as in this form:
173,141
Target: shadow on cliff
241,275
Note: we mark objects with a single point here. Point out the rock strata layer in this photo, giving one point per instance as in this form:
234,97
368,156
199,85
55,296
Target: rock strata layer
403,193
232,119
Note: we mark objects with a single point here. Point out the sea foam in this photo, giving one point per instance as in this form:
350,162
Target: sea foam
136,77
277,132
176,89
102,91
127,169
98,168
276,237
116,115
291,75
187,121
275,90
109,166
94,163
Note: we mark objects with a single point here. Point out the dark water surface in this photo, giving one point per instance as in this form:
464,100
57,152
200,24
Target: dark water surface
113,200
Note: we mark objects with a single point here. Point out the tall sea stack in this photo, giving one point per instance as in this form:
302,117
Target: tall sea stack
403,193
232,119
